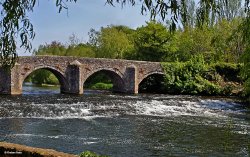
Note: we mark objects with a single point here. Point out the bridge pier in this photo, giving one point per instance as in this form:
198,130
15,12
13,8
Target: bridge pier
10,82
73,75
131,80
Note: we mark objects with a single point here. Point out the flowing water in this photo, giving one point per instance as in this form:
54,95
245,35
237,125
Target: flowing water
126,125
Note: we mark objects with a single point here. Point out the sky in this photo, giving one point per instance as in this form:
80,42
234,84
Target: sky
80,17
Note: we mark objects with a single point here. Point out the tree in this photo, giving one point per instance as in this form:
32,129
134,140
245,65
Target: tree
81,50
54,48
245,30
189,19
195,41
154,42
74,40
230,9
111,42
43,76
227,40
15,22
59,49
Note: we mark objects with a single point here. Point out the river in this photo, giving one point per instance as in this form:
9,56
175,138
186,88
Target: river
126,125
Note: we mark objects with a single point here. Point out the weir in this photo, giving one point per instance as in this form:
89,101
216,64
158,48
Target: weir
72,72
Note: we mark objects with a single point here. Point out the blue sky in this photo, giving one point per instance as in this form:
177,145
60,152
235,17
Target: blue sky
50,25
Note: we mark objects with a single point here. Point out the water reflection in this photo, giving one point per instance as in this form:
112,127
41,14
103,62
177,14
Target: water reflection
29,88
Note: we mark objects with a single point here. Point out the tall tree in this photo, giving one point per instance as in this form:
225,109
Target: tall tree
230,9
54,48
195,41
111,42
227,40
14,23
188,19
245,29
154,42
81,50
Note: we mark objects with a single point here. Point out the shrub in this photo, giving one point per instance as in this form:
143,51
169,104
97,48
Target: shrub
100,85
189,77
229,71
52,80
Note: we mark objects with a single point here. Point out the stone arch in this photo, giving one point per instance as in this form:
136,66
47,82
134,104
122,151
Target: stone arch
115,76
155,85
64,86
149,74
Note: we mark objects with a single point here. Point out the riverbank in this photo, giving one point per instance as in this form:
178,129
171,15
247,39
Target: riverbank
11,149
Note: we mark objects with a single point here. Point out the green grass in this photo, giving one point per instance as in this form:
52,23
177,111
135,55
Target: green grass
100,85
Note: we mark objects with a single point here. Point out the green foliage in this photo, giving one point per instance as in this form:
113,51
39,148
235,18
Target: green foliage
97,78
59,49
227,41
229,71
112,42
54,48
154,42
190,10
100,85
15,22
230,9
15,25
81,50
192,77
52,80
212,45
245,29
203,74
246,71
42,76
195,41
91,154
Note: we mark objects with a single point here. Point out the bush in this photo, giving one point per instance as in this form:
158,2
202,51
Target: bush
52,80
196,77
100,85
189,78
209,88
229,71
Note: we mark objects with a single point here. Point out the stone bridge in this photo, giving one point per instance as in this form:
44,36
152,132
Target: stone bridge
72,72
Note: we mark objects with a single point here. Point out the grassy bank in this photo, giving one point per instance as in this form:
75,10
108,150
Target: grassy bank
101,86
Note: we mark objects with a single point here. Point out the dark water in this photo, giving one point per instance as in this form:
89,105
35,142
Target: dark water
126,125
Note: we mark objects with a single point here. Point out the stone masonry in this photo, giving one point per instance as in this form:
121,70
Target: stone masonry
72,72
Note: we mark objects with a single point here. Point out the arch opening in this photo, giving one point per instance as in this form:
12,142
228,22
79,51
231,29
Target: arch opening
44,81
105,80
153,83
